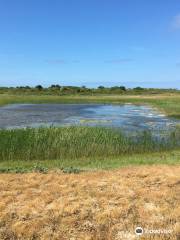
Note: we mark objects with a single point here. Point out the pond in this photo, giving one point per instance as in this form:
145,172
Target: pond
128,117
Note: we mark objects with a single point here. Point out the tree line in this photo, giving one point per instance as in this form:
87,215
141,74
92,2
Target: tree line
60,90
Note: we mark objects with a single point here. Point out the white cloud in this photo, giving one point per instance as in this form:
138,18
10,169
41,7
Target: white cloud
176,22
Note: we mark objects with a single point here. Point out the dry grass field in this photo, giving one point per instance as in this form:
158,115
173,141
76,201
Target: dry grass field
98,205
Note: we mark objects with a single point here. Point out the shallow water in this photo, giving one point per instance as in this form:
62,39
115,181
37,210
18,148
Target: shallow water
129,117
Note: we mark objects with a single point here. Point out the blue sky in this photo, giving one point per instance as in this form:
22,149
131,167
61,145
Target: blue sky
90,42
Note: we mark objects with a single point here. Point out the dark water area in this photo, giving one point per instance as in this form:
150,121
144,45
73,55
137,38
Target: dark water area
127,117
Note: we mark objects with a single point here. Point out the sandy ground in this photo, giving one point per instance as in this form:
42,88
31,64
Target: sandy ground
95,205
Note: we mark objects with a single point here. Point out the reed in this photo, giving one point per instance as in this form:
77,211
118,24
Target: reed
79,142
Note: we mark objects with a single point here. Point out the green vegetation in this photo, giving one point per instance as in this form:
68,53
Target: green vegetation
77,142
87,164
80,147
74,149
168,104
56,89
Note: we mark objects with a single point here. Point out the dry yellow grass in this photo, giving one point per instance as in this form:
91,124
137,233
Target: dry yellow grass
89,206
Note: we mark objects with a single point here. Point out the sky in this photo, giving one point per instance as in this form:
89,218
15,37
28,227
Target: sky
90,42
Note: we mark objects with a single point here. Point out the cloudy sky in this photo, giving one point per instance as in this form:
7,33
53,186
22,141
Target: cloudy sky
90,42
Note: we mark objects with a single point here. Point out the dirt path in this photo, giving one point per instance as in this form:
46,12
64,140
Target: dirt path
95,205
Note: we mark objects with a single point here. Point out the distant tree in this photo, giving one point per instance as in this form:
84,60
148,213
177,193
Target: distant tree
138,88
83,87
101,87
78,90
39,87
52,86
55,86
122,88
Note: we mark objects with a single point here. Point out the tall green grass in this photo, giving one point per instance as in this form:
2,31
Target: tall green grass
79,142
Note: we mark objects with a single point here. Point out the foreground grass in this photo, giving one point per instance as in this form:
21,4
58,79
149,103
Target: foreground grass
167,103
103,205
89,164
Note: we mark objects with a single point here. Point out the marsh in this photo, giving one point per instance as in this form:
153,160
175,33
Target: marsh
128,117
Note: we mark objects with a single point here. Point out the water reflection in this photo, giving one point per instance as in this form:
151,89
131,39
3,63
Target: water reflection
128,117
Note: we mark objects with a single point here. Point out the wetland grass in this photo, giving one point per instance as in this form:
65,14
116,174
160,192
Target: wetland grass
86,147
79,142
